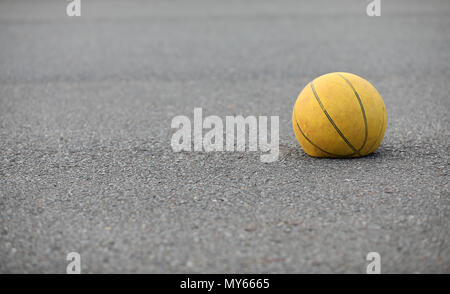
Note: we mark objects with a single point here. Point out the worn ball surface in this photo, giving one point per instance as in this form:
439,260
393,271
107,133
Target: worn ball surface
339,115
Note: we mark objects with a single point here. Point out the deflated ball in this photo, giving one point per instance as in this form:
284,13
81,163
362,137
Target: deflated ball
339,115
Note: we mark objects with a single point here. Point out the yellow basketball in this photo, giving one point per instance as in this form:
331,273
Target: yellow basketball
339,115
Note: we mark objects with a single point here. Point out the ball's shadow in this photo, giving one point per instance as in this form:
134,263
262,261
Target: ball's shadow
289,152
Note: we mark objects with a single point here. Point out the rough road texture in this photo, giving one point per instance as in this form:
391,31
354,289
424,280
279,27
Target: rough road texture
86,163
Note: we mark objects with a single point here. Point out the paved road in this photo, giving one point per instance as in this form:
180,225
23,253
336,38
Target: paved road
86,163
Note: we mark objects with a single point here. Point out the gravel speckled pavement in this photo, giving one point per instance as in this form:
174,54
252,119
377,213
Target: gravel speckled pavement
86,163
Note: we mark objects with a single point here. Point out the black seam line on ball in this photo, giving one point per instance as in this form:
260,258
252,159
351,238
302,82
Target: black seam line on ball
311,142
332,122
378,137
362,110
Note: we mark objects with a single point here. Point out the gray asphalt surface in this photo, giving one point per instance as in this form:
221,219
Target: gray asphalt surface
86,163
